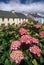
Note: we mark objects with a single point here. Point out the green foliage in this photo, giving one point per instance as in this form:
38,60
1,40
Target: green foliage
34,62
9,34
7,62
41,60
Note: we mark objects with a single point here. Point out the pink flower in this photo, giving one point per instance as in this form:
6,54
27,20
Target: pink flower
35,40
23,31
41,33
35,50
37,26
17,56
26,39
15,45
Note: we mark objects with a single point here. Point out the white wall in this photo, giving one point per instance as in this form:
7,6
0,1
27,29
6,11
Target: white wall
6,21
15,21
42,20
11,21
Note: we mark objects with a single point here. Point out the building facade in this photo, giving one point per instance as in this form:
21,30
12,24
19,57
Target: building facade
36,17
12,17
39,19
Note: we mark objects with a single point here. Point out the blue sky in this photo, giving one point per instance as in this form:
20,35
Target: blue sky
23,1
22,5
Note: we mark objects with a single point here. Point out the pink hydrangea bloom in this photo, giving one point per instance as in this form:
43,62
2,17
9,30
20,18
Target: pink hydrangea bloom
15,45
35,40
37,26
26,39
17,56
41,33
35,50
23,31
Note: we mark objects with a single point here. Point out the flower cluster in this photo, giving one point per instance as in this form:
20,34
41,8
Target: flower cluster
15,45
37,26
23,31
35,50
41,33
26,39
35,40
17,56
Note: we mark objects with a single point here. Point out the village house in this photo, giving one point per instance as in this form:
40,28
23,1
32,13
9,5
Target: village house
12,17
36,18
39,19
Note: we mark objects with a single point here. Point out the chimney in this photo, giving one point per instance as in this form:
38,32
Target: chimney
13,11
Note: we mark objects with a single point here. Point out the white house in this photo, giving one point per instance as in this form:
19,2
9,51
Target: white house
36,17
39,19
10,17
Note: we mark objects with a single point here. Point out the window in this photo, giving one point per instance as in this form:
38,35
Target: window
3,19
8,19
3,24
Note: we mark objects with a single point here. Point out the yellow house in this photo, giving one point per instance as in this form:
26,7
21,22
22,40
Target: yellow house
10,17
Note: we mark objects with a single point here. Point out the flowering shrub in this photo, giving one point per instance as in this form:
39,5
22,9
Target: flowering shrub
22,45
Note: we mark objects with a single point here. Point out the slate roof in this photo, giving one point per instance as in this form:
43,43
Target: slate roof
9,14
35,15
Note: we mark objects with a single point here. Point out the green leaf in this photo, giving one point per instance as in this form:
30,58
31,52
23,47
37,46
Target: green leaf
1,34
11,40
11,61
40,45
43,51
27,52
7,62
30,55
17,36
34,62
41,60
26,58
42,40
2,58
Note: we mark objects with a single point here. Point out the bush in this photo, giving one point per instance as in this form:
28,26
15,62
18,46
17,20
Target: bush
29,48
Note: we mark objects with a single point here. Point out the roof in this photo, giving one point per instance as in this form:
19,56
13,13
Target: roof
35,15
10,14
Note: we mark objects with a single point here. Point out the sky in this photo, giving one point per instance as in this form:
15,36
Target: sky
22,5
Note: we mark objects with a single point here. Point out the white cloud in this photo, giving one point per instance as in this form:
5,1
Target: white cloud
17,6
